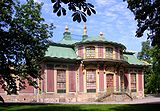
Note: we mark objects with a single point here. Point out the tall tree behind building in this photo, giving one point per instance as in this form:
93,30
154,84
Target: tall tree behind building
151,73
147,15
23,42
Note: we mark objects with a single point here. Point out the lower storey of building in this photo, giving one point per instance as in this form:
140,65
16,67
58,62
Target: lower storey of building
68,83
70,97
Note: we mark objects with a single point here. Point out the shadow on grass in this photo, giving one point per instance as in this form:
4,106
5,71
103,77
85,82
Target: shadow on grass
137,107
55,107
76,107
48,107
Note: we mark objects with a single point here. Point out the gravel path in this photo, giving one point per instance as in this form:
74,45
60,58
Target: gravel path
146,100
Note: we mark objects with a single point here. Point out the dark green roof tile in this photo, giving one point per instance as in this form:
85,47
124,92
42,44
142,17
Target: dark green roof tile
68,42
61,52
131,59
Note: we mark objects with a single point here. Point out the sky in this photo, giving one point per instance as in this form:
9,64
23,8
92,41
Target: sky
112,17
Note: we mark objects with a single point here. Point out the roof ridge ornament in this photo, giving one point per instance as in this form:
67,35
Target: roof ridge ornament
85,36
85,29
101,34
67,34
66,28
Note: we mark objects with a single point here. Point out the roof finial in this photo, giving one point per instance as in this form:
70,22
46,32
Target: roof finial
85,29
66,28
101,34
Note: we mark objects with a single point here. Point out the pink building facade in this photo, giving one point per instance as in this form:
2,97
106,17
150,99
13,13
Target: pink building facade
92,69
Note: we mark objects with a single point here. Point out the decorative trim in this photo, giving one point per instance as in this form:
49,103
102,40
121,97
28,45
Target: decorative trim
55,80
67,81
96,52
97,82
84,52
114,82
45,82
90,67
84,81
137,83
108,72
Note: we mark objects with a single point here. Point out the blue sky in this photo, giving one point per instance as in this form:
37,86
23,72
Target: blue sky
112,18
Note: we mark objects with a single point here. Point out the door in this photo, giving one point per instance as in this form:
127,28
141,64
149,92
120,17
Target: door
109,80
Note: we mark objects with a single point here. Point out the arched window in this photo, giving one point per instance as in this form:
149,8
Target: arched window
109,52
90,52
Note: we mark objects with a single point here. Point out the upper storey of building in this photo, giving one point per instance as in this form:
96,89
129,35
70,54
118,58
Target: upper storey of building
89,49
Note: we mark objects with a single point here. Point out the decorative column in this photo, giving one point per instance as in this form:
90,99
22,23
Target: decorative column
104,70
67,80
101,78
97,79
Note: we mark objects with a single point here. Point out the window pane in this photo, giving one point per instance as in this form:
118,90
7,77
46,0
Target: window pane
91,81
61,81
90,52
133,82
109,52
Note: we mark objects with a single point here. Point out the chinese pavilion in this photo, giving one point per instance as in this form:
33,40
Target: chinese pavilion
93,69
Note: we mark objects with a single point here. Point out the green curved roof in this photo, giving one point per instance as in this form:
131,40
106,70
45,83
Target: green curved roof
132,60
101,40
67,39
94,39
68,42
61,52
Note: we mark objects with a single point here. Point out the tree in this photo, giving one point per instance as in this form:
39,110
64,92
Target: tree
80,8
147,15
24,40
151,74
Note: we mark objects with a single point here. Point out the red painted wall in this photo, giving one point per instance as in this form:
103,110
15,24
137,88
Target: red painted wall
72,79
81,83
126,79
117,81
50,78
140,88
80,51
100,51
117,53
101,79
28,88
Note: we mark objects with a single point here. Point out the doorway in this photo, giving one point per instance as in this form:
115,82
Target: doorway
109,82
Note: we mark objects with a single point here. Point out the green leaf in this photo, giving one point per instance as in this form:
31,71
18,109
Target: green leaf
55,10
53,1
59,13
93,10
88,12
74,15
63,11
84,18
90,5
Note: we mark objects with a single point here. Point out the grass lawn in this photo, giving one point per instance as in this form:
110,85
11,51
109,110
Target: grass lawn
71,107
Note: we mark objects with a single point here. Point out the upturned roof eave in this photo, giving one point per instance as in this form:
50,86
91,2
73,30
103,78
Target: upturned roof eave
61,58
104,60
60,44
101,41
